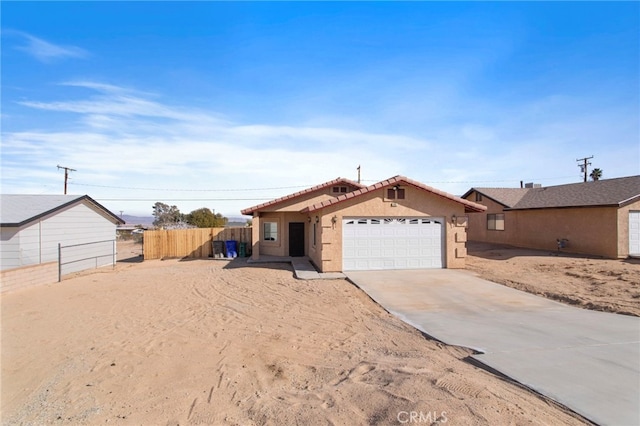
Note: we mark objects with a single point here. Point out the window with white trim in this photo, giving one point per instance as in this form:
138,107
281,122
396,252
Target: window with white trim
270,231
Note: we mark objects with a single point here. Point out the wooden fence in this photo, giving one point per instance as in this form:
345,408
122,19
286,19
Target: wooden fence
194,243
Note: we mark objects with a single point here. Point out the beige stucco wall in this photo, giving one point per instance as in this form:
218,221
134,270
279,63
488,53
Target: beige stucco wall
327,256
590,230
600,231
623,228
300,202
478,231
283,213
280,247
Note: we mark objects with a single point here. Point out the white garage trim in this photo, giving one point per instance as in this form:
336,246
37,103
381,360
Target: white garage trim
392,243
634,233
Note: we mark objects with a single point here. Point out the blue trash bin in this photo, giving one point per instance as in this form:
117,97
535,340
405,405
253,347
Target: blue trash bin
232,250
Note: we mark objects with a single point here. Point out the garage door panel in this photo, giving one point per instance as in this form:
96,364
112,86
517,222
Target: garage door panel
388,252
405,243
634,233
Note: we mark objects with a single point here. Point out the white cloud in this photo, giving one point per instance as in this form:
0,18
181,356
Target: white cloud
121,138
45,51
128,139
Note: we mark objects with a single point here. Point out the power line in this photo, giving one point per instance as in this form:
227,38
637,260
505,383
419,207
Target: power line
192,190
296,186
185,199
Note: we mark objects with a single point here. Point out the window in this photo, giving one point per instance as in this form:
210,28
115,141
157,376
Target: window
495,222
339,189
270,231
395,193
315,230
478,196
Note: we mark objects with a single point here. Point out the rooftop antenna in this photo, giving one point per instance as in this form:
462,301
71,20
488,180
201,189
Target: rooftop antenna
66,176
358,173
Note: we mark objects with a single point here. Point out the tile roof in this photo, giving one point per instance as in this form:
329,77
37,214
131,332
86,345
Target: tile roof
271,203
18,210
469,206
607,192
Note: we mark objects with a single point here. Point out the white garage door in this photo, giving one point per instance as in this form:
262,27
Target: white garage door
392,243
634,233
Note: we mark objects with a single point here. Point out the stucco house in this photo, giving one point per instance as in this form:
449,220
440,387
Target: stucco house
33,226
343,225
598,218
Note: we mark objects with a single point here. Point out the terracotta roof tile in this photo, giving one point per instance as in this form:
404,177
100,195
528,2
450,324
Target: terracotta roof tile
469,206
271,203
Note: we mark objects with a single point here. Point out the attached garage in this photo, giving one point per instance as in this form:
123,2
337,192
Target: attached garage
634,233
392,243
341,225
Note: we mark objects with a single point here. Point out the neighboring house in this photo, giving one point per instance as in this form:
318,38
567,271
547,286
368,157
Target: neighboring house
32,227
342,225
598,218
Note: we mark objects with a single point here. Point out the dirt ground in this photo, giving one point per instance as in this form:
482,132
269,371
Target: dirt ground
222,342
587,282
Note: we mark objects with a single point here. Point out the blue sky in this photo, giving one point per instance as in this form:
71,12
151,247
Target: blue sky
226,105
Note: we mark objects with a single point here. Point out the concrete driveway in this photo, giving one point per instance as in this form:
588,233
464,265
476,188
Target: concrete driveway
588,361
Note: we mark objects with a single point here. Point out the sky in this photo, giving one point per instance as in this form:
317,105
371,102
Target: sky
227,105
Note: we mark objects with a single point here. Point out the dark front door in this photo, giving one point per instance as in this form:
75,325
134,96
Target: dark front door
296,239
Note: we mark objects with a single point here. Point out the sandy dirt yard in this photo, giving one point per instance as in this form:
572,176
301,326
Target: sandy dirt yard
587,282
217,342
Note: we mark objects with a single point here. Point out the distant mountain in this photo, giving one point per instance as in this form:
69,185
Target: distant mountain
138,220
147,221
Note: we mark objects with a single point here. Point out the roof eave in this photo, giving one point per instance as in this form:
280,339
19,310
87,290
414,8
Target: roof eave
575,206
62,206
629,200
470,206
251,210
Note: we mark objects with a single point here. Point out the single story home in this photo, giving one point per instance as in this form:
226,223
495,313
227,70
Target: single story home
599,218
33,228
343,225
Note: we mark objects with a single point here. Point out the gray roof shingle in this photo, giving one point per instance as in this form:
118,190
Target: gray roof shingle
18,209
608,192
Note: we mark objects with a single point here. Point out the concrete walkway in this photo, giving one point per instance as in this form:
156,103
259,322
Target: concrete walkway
588,361
302,267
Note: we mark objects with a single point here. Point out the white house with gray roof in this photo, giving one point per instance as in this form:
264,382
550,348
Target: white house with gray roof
32,227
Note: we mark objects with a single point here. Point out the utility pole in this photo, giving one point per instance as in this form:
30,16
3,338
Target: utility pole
584,165
358,173
66,176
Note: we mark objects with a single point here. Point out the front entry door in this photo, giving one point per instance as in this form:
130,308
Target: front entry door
296,239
